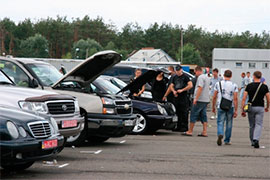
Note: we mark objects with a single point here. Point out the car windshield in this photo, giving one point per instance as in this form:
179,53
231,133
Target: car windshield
47,73
119,83
107,86
4,79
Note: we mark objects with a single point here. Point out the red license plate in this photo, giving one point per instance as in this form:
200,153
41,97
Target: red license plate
69,123
49,144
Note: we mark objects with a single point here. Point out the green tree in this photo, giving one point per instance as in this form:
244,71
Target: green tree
190,55
34,46
85,48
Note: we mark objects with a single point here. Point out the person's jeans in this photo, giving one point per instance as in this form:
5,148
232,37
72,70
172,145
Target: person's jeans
225,116
255,117
198,111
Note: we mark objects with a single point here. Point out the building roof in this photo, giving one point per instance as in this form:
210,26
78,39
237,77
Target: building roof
151,55
241,54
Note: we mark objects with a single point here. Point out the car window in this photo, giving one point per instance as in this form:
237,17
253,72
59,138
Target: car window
15,73
4,79
125,71
111,72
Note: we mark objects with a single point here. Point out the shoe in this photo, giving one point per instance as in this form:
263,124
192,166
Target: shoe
256,144
228,143
219,141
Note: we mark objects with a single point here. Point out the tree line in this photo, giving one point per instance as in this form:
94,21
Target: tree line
80,38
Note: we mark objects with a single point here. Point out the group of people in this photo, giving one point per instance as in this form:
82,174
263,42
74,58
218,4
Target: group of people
179,89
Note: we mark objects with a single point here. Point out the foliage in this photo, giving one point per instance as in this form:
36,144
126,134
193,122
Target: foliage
34,46
64,36
190,55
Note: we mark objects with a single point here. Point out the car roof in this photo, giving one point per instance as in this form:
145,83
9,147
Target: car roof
29,61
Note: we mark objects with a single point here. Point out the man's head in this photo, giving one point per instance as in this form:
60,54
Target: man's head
198,71
243,74
138,72
227,75
248,74
215,72
171,69
257,75
179,70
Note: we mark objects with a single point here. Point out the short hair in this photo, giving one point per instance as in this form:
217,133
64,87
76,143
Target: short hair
243,73
228,73
215,70
198,68
138,69
248,72
171,67
257,74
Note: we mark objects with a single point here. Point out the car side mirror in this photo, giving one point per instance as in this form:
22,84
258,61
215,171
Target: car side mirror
34,83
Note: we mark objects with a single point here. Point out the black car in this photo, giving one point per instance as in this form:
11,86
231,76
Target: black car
26,137
151,115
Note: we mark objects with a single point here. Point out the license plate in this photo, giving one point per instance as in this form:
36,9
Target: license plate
175,119
49,144
129,123
69,123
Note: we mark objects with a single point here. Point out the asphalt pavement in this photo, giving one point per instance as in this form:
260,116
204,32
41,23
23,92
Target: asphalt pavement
165,155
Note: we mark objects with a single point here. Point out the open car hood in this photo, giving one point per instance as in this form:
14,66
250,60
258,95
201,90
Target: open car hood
135,85
91,68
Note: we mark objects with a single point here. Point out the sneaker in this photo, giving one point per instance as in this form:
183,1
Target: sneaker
256,144
219,141
228,143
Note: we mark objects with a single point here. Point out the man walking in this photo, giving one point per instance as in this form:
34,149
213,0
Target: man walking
201,99
226,90
243,85
213,82
179,87
256,92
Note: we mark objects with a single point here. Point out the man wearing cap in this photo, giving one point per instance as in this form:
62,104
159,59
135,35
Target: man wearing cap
179,86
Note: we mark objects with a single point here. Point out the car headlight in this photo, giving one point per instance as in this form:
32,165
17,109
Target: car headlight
77,107
22,131
107,100
34,106
108,111
173,108
13,130
162,110
54,125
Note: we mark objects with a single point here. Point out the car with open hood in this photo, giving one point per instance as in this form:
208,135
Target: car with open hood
26,137
151,115
64,108
105,115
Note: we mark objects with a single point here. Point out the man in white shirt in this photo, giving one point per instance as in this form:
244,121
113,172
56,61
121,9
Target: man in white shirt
228,90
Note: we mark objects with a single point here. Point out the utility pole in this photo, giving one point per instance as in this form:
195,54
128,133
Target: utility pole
181,46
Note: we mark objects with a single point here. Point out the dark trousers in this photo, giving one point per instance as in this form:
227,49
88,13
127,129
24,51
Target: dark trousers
182,111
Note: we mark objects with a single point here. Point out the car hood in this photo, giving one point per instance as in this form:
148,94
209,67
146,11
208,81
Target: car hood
91,68
137,84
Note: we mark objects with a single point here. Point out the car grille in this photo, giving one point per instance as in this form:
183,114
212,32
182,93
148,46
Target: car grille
121,109
61,107
40,129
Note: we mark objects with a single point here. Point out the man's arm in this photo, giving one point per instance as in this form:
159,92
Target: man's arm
214,102
173,90
268,101
141,91
244,100
198,94
235,101
167,93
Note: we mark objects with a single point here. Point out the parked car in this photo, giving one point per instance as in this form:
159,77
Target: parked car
124,72
64,108
105,116
26,137
151,115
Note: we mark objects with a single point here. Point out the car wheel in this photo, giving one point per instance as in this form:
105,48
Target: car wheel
96,139
17,167
141,125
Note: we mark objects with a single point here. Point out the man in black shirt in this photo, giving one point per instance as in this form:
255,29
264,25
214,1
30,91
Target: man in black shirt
255,115
179,86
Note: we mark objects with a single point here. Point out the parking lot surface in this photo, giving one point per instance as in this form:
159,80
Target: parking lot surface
165,155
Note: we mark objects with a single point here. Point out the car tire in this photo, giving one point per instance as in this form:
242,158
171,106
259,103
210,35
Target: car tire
96,139
141,126
17,167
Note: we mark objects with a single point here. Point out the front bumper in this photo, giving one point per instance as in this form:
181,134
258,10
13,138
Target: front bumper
162,121
71,131
110,125
30,149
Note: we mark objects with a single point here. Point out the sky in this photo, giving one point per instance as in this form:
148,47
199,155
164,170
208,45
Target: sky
222,15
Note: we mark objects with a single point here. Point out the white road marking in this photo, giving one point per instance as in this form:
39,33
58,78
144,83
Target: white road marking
122,142
63,165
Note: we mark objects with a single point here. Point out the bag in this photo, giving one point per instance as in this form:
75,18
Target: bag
247,107
225,104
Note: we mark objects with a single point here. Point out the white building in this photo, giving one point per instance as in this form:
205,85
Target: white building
150,55
242,60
